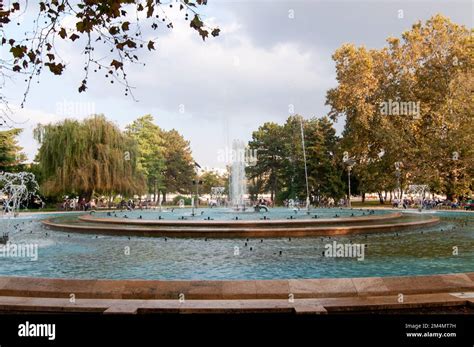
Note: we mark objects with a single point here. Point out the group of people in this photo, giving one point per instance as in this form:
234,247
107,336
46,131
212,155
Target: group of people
410,202
78,204
265,202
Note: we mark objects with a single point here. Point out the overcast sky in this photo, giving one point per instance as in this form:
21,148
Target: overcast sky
269,55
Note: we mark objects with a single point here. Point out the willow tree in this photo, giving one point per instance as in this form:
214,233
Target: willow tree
87,157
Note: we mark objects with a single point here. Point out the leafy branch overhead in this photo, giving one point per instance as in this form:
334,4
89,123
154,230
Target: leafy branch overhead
118,27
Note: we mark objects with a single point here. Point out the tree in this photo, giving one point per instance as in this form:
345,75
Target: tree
324,166
88,157
280,161
10,152
210,179
151,158
293,173
428,70
179,164
266,174
118,29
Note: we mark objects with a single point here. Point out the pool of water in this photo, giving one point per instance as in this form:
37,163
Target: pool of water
62,255
230,214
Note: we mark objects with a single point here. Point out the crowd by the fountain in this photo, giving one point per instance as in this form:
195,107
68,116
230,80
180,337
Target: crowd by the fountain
411,202
82,204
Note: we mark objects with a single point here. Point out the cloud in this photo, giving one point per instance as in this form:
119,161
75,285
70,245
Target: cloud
224,88
229,76
27,119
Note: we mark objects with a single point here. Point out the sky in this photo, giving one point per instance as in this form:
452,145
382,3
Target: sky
272,59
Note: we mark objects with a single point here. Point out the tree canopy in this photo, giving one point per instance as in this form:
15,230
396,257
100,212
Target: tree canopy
87,157
10,152
164,157
279,168
151,152
409,102
179,171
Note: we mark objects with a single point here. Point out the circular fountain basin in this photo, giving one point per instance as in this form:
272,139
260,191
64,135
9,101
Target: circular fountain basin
296,224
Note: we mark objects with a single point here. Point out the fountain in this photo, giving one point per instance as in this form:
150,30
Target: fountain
238,181
15,189
223,223
305,165
160,203
420,191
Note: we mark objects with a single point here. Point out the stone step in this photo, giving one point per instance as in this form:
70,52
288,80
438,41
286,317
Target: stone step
297,306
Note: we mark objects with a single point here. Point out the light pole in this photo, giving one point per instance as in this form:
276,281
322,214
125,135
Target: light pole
398,166
350,162
349,186
305,166
195,205
196,182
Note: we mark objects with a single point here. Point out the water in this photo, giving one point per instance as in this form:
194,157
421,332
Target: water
238,180
90,256
230,213
17,189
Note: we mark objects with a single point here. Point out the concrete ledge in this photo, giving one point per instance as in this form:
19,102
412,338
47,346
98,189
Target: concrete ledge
262,230
235,290
238,223
300,306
